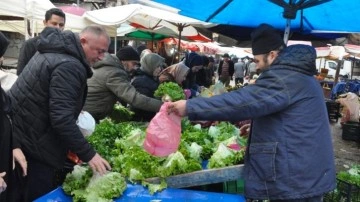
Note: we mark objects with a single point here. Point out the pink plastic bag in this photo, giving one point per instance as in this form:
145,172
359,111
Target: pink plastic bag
163,133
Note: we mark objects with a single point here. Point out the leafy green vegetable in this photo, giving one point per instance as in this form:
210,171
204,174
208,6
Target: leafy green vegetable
78,179
135,175
153,188
176,164
225,157
351,176
108,186
83,186
107,132
135,157
121,113
173,90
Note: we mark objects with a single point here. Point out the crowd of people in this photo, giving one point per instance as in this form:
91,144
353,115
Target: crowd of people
61,73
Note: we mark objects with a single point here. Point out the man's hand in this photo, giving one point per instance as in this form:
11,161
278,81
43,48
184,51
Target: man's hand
98,164
178,107
244,130
2,182
20,158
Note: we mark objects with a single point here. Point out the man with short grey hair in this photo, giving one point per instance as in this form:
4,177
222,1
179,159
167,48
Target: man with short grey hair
47,99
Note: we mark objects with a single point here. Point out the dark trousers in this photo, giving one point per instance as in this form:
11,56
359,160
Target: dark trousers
225,80
42,179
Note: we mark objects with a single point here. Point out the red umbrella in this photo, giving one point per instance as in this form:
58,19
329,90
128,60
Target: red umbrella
199,37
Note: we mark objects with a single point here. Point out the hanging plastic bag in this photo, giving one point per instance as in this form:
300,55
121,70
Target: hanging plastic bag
163,133
86,123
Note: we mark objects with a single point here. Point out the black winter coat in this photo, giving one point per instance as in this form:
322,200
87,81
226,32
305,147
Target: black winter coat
48,97
5,143
231,68
145,85
27,51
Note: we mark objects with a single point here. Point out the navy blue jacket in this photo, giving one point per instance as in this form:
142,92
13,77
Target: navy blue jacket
290,153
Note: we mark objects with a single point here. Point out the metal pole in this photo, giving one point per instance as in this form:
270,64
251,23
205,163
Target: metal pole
287,31
180,28
115,44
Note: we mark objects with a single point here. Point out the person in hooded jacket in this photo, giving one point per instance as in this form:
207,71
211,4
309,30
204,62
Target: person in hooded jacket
290,131
47,99
111,82
146,82
203,76
195,62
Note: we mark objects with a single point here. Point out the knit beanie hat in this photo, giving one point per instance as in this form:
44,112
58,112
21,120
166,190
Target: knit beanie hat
193,59
128,53
265,38
4,42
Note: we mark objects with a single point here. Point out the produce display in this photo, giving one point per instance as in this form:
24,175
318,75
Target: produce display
84,186
351,176
170,91
348,186
122,145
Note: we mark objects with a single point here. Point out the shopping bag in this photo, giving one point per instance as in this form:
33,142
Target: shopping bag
86,123
163,133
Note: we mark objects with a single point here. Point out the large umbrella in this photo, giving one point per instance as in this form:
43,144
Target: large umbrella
14,17
73,9
148,17
144,35
307,16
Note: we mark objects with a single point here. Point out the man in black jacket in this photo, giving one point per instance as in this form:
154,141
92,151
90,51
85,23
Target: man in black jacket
54,17
226,70
47,99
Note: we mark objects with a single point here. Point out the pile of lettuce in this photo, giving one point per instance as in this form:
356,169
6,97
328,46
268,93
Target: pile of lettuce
122,145
170,91
84,186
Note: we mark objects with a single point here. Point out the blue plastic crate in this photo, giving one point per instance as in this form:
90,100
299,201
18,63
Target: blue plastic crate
138,193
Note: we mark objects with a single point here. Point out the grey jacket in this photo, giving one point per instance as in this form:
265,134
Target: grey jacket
111,83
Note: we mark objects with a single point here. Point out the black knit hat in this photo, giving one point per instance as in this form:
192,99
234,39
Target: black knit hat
265,38
4,42
128,53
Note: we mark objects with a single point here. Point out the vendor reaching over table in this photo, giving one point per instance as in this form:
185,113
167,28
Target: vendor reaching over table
111,82
290,154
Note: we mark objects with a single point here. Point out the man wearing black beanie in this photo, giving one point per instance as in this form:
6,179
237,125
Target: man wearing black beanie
266,44
111,82
290,132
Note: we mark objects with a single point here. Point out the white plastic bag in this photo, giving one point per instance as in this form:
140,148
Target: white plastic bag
86,123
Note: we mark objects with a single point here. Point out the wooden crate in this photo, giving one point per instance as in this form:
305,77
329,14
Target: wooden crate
203,177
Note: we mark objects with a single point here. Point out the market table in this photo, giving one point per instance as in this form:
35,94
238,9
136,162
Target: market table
138,193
